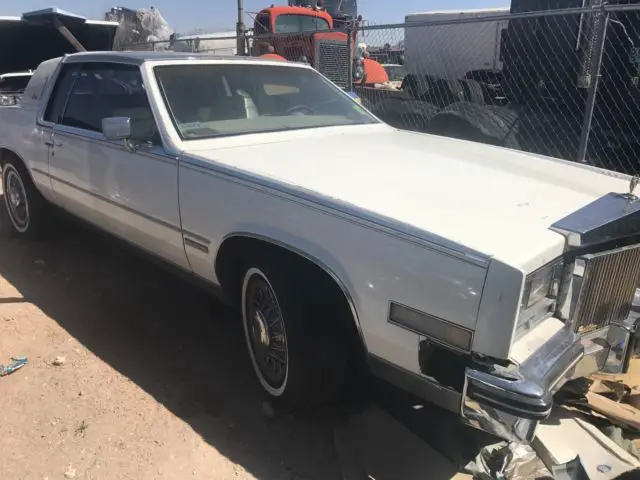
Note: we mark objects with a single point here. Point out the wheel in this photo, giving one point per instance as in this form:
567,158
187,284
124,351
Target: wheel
406,114
443,92
24,204
290,331
479,123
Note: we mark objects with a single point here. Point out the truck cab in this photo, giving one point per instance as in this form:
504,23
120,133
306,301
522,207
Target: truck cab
309,35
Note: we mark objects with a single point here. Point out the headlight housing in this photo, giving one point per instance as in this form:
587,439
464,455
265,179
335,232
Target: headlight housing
8,100
539,285
541,289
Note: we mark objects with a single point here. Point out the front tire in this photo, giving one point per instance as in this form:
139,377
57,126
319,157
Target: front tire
292,331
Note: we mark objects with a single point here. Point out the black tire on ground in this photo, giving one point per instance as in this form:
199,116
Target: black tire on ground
406,114
443,92
27,210
479,123
296,334
474,91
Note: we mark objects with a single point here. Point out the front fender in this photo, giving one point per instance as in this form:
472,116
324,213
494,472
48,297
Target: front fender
306,249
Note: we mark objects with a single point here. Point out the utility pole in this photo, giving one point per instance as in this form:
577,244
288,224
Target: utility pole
240,30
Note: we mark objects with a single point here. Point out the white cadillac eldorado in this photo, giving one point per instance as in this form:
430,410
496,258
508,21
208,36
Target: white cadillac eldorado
477,277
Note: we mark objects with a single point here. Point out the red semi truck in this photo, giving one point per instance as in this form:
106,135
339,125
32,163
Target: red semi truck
310,35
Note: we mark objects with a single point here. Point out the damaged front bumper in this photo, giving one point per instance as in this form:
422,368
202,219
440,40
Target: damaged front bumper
511,405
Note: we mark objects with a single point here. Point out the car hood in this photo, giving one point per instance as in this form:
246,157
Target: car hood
496,201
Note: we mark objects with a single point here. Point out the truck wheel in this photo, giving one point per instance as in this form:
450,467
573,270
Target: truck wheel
293,336
493,125
408,115
443,92
25,206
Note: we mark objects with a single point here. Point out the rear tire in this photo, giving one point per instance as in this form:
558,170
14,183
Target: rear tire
293,334
24,205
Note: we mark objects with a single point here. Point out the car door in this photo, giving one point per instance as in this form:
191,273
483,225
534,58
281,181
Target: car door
131,192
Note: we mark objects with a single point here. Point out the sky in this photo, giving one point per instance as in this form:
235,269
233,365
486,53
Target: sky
188,15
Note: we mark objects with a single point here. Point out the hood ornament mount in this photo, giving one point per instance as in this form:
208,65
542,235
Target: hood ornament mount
610,217
633,183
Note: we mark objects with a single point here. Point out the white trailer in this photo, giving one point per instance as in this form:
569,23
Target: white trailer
449,51
216,43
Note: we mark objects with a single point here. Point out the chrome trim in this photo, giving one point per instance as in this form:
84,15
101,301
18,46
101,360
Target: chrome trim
311,258
622,338
116,204
41,172
199,238
509,402
98,139
612,216
338,209
501,424
197,245
600,303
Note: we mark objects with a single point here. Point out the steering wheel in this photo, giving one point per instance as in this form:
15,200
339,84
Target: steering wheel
302,109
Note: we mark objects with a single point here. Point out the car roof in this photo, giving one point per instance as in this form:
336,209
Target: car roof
140,57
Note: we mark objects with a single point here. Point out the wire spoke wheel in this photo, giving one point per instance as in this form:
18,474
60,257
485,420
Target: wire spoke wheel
265,332
16,199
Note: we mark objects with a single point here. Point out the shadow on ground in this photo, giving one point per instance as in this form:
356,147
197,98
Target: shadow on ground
173,340
186,349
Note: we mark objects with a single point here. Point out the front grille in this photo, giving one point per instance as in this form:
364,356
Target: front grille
333,61
609,282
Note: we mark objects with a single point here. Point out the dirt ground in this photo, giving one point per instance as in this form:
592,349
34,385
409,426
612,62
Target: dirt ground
135,374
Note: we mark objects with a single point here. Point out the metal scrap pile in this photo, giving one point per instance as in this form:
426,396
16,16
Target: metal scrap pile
140,27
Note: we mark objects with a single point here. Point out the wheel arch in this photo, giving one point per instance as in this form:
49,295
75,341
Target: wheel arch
223,263
6,153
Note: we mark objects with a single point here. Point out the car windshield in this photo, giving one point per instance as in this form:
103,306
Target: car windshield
396,72
288,23
214,100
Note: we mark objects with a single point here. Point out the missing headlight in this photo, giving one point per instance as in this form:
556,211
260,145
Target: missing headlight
541,284
541,290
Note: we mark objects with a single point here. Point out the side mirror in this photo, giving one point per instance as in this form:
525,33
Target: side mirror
116,128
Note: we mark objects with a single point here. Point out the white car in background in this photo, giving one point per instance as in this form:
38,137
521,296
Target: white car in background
12,86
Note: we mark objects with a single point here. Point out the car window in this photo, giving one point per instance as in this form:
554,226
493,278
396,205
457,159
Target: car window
262,24
289,23
104,90
212,100
60,93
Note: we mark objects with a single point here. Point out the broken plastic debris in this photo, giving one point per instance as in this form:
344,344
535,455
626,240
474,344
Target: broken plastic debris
59,360
16,364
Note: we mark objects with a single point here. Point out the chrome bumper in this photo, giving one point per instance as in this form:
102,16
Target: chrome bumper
511,405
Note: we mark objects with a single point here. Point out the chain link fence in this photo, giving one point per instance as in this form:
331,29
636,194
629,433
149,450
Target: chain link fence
562,83
557,82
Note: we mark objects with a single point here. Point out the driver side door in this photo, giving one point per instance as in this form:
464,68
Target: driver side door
131,193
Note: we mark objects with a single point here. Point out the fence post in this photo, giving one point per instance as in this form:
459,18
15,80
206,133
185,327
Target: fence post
351,56
240,29
601,37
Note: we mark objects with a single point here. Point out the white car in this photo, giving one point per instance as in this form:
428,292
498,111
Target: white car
476,277
12,86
